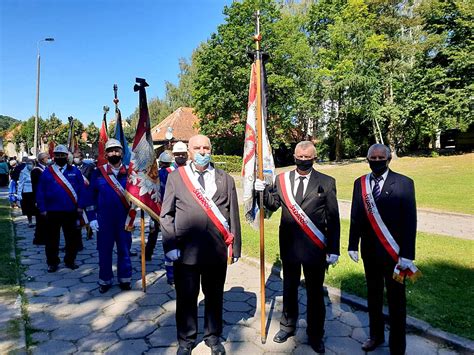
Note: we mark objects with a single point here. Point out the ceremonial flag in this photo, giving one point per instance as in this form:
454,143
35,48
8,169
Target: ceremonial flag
120,136
250,161
71,140
143,185
101,160
51,149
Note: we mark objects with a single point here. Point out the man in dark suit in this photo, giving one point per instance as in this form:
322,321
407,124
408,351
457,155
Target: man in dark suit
383,217
200,226
309,237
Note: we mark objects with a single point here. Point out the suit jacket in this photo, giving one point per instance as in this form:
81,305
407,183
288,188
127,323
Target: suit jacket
320,204
185,225
86,170
397,208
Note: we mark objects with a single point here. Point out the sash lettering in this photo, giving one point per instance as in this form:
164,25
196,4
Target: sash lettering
309,228
209,206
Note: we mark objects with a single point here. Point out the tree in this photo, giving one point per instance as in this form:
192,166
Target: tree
181,95
347,51
7,123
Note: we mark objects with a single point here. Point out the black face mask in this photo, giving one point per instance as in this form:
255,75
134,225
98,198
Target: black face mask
60,161
180,161
114,159
304,165
378,167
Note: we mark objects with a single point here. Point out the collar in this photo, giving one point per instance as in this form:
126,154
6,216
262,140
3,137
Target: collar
297,175
121,169
384,175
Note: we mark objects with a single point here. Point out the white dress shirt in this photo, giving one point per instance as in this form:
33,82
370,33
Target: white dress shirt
209,179
297,182
381,182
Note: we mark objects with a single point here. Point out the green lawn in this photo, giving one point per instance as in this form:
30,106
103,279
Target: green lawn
442,297
8,271
443,183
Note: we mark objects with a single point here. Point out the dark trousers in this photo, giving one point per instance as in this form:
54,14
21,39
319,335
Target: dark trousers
316,309
378,273
152,238
187,281
41,231
67,220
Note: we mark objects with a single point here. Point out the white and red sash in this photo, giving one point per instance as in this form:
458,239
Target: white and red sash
209,206
66,185
170,169
381,230
114,184
309,228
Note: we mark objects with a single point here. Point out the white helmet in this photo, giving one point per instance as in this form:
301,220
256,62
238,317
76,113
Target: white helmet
165,157
60,148
112,143
180,147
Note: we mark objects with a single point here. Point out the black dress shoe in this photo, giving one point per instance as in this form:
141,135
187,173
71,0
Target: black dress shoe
125,286
72,266
52,268
372,344
217,349
282,336
318,346
104,288
182,350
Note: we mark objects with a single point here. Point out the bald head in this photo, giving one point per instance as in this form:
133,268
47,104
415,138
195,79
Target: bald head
199,144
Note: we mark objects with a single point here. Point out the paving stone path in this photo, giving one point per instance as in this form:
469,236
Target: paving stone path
69,315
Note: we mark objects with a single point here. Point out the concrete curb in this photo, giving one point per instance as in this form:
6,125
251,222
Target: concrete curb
457,342
21,342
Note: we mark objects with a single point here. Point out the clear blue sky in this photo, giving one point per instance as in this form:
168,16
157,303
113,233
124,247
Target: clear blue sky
97,43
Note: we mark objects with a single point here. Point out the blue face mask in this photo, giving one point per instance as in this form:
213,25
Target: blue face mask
202,160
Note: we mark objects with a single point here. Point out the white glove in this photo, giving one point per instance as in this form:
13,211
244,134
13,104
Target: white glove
354,255
19,197
94,225
234,260
259,185
404,264
173,255
332,259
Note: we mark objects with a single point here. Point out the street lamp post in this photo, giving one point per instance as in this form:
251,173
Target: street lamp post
35,140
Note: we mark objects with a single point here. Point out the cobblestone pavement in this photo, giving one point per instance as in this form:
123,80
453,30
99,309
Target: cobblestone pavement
69,315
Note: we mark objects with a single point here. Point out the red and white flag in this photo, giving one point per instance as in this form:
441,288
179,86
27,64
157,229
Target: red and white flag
143,185
101,160
249,168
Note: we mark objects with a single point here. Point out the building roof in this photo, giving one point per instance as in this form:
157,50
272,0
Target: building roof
183,122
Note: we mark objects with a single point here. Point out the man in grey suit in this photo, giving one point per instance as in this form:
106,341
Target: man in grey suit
201,233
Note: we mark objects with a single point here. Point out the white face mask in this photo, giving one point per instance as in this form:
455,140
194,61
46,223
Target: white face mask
77,161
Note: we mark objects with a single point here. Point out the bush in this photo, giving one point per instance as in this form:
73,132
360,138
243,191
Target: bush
228,163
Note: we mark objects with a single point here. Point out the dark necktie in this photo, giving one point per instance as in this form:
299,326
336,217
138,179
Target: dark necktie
299,191
376,189
201,178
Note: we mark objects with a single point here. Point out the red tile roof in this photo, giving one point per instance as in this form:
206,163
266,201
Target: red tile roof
184,123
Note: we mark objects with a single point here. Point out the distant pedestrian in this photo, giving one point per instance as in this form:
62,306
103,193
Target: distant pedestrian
25,193
3,172
60,199
12,185
383,219
41,230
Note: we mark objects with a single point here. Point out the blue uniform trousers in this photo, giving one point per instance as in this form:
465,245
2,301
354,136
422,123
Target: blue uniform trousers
111,231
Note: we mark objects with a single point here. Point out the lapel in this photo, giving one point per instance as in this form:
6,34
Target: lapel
388,186
292,181
311,189
219,184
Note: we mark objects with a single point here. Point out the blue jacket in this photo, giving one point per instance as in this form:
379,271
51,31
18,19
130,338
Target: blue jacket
53,197
103,201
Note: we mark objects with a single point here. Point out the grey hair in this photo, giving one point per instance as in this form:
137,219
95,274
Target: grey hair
305,145
388,152
42,155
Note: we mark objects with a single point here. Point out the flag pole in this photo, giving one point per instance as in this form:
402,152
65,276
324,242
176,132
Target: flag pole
142,232
257,39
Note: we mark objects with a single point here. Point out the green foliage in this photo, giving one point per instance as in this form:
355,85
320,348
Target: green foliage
228,163
7,123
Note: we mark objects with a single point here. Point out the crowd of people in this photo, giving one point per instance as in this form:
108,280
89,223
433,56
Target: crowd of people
201,230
